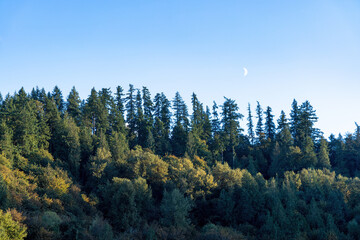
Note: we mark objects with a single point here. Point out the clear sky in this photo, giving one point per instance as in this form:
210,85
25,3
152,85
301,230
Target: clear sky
308,50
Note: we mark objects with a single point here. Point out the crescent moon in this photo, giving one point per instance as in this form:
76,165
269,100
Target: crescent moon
245,72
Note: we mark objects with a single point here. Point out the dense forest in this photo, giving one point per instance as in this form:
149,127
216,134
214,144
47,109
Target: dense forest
126,165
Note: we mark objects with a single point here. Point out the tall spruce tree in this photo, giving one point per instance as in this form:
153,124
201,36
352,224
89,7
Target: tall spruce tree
73,105
179,134
259,126
250,126
148,119
161,129
131,115
58,98
116,116
294,121
269,124
323,155
95,115
230,128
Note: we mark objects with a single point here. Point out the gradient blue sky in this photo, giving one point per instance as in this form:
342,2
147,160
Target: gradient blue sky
307,49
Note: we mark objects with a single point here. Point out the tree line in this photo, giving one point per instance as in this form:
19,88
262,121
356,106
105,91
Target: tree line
126,165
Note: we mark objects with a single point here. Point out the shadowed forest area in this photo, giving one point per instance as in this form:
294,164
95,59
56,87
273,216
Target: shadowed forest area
128,165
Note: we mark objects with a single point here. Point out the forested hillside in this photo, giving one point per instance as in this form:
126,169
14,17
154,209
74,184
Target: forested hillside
128,165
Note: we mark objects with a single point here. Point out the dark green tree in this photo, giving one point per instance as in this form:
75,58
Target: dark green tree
250,126
180,131
259,126
230,128
269,124
58,98
131,115
73,105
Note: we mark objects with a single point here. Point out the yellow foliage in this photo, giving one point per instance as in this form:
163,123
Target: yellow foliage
226,177
20,185
88,200
192,180
56,180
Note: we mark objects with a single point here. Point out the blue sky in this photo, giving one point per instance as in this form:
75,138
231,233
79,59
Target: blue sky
308,50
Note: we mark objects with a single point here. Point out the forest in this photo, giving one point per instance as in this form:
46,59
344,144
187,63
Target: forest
124,164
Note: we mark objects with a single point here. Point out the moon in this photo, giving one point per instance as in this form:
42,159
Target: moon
245,72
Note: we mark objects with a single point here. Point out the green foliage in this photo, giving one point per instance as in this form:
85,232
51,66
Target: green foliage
101,230
126,202
51,221
10,229
77,171
175,209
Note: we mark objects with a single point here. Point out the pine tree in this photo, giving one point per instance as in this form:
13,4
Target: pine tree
207,127
161,129
230,128
148,107
106,98
215,122
269,124
282,121
149,141
259,126
309,158
116,115
323,155
179,134
119,99
307,119
197,116
175,209
35,93
119,146
26,133
250,126
131,115
7,147
95,115
294,121
58,98
73,105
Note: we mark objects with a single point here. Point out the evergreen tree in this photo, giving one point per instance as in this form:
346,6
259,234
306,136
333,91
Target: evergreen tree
197,116
323,155
294,121
179,134
73,105
250,126
282,121
116,116
215,122
131,115
307,119
207,126
95,116
269,124
106,98
161,129
140,125
148,107
7,147
231,128
259,126
175,209
216,146
26,134
119,146
35,93
58,98
309,158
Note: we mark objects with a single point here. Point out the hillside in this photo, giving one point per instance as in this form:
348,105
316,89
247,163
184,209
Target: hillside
126,165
